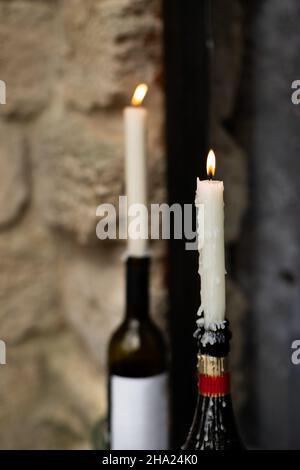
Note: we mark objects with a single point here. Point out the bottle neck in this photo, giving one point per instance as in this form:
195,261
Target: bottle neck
214,377
137,288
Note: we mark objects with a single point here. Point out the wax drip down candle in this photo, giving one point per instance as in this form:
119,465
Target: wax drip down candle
210,209
135,126
213,426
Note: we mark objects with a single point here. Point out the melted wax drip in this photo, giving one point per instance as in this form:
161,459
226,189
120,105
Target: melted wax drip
213,426
213,334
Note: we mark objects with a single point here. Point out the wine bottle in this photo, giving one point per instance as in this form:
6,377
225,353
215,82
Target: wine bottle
138,378
214,426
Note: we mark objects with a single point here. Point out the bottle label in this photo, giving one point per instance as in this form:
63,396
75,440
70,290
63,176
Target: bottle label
214,378
139,413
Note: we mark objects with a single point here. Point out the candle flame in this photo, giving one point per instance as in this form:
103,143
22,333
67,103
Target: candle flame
211,163
139,94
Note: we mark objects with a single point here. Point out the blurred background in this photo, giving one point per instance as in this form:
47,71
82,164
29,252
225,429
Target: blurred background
70,67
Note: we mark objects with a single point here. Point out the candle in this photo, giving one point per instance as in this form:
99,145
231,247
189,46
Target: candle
135,118
210,205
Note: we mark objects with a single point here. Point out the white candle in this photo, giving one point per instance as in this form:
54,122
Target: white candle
135,119
210,205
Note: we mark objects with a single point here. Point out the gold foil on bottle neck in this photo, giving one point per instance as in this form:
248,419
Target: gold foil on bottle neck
212,366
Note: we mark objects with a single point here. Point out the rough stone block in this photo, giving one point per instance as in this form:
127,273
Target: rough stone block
30,38
74,395
110,46
77,167
14,174
51,394
28,294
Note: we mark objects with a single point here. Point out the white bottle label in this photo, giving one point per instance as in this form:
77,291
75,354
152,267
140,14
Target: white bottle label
139,413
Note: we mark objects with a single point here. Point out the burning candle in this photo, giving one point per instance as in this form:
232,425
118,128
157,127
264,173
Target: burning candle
210,205
135,119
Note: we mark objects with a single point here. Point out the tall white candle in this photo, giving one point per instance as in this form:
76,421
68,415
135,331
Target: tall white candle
210,205
135,120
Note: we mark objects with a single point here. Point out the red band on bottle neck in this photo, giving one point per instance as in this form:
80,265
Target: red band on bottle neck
214,386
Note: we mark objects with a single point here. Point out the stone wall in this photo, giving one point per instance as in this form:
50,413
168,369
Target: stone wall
70,66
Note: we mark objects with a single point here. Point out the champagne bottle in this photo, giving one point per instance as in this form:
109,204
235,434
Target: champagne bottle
138,379
214,426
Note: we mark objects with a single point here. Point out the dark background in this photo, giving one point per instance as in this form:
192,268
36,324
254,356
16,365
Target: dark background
251,118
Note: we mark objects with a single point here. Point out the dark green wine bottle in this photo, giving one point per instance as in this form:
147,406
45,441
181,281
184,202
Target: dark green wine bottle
137,368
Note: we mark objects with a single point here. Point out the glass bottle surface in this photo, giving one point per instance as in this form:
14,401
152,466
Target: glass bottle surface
137,366
214,426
